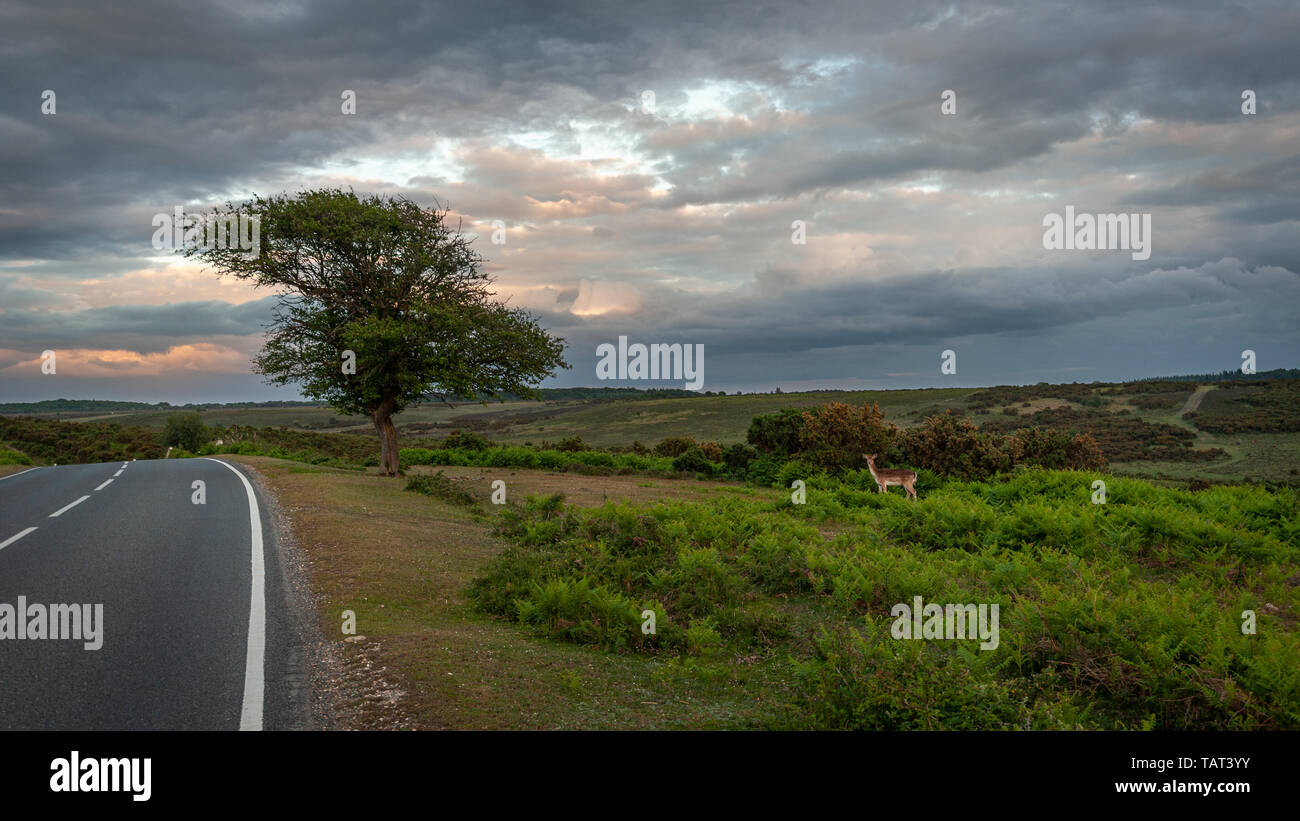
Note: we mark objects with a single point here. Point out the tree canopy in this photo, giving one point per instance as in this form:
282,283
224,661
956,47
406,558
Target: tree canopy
381,303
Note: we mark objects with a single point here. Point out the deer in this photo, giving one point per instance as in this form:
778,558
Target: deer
885,477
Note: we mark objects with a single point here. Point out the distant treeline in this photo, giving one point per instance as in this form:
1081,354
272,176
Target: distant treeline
1230,376
621,393
110,406
582,394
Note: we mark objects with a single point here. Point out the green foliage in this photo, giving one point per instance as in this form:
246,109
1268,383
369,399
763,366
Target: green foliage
1112,616
777,433
952,446
9,456
392,284
693,460
1257,407
738,457
524,457
186,431
572,444
1121,438
45,441
674,446
836,435
1054,449
441,487
465,440
341,450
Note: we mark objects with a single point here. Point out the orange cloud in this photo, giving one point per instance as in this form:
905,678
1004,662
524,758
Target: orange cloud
203,357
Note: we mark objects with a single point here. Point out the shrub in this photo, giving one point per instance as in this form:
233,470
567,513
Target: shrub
1054,449
13,457
441,487
764,470
836,436
571,444
465,440
693,460
737,458
712,451
776,432
674,446
187,431
954,447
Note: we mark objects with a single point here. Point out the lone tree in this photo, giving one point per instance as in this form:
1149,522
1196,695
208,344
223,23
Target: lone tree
381,304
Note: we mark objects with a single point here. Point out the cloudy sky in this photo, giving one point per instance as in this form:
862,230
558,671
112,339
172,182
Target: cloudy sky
649,166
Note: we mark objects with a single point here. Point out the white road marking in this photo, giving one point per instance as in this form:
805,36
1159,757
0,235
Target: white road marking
19,473
250,717
65,509
106,484
15,538
119,473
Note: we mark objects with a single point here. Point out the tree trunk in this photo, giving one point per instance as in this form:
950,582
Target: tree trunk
389,463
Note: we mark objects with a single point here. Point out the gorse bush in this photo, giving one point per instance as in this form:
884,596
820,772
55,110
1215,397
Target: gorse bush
693,460
442,487
777,433
187,431
9,456
46,441
1054,449
835,436
465,440
952,446
1121,615
674,446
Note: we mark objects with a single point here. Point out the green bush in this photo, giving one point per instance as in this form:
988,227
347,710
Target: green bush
441,487
186,431
693,460
1113,616
464,440
674,446
9,456
737,458
777,433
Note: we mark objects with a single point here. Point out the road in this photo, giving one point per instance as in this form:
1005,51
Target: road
196,631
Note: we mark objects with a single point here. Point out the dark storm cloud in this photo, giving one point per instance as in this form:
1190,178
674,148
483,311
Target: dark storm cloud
1122,105
142,328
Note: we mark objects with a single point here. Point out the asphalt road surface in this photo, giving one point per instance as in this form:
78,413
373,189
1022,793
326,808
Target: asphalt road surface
197,631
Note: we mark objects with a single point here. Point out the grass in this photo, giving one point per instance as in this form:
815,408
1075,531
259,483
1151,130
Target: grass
1117,616
403,561
773,615
1246,454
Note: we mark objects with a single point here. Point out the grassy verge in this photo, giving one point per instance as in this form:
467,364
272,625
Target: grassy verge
403,562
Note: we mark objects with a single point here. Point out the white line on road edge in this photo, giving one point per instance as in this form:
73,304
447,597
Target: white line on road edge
250,717
119,473
66,508
15,538
106,484
19,473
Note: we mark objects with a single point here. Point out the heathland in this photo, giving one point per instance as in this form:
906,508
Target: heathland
752,537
